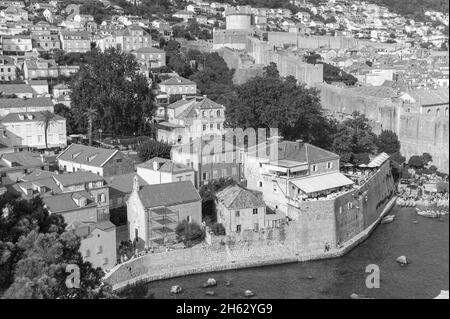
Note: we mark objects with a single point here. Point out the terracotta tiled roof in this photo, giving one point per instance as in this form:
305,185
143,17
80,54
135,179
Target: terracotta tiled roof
168,194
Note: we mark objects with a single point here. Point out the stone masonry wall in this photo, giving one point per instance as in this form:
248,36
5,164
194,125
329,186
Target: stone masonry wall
304,239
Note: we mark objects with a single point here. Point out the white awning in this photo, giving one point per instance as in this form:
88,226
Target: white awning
322,182
378,160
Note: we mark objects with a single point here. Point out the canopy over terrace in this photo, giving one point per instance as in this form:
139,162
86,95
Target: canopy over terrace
322,183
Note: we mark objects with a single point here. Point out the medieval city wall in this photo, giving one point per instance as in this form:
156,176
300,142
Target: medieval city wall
422,133
315,42
319,223
418,133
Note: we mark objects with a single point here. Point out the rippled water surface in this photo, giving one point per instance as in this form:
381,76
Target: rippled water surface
425,244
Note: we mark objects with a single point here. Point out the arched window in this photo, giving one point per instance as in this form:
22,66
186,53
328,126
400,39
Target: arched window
438,112
204,113
429,111
218,113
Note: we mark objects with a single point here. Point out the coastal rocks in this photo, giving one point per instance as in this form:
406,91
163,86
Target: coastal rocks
249,293
211,282
310,277
176,289
402,260
227,283
442,295
210,293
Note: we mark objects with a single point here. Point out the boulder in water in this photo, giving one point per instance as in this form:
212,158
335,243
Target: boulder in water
211,282
227,283
210,293
176,289
310,277
402,260
249,293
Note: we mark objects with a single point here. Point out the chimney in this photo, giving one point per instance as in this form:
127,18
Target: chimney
183,96
299,143
155,166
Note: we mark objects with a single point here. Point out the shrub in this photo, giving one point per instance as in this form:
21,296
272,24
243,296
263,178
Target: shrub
189,233
218,229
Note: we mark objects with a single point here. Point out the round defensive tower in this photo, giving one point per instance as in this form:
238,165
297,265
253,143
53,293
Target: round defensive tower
238,21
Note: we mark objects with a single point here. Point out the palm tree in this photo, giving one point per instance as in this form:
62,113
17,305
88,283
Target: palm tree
90,113
47,119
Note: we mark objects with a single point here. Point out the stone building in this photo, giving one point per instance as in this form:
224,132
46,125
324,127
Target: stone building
101,161
154,211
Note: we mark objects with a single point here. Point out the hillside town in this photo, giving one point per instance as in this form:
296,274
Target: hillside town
134,125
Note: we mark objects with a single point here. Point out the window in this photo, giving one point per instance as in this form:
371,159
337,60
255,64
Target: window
189,219
238,228
87,253
99,249
204,127
314,168
237,213
329,165
218,126
211,126
119,160
105,261
275,187
256,227
260,184
350,205
218,113
255,211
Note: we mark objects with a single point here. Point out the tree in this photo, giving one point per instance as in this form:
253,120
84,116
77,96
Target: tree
189,233
398,158
388,142
416,161
35,249
427,158
208,194
111,84
270,101
46,120
218,229
62,110
153,148
354,136
90,114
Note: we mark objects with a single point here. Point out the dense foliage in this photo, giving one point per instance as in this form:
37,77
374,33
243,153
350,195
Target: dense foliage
270,101
110,85
208,195
34,251
189,233
152,148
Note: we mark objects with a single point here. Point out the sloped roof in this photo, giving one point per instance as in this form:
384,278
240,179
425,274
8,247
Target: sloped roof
177,80
124,182
65,202
33,102
87,155
22,158
168,194
149,50
16,88
79,177
303,152
430,97
36,116
37,174
236,197
166,165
